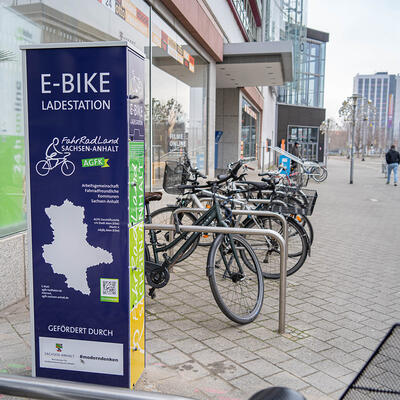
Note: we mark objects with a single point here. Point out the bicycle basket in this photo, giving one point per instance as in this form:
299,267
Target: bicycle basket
286,209
292,190
379,379
311,196
174,175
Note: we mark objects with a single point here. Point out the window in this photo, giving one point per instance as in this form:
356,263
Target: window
245,13
176,97
250,122
178,100
307,137
14,32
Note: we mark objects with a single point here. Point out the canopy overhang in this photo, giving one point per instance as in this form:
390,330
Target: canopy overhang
255,64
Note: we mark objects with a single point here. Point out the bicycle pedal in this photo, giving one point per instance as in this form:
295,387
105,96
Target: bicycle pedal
152,292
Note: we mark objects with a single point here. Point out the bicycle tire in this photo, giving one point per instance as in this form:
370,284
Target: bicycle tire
301,201
268,253
66,170
228,291
40,167
163,216
206,239
322,176
300,218
316,173
306,224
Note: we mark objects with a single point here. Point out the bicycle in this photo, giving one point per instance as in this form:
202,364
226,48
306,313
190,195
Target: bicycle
267,250
314,170
233,269
43,167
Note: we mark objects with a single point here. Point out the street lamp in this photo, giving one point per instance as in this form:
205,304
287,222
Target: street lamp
368,112
348,111
324,128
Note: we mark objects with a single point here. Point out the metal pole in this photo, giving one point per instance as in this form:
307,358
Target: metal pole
269,158
352,139
263,159
363,141
245,231
40,388
327,142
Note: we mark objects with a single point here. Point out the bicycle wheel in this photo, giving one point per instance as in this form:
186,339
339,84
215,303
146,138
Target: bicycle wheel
306,224
67,168
237,289
163,216
206,239
323,175
43,167
316,173
268,251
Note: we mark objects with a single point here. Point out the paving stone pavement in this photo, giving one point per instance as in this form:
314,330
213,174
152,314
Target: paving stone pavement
339,306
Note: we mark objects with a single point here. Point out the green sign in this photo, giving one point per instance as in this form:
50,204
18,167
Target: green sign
136,263
12,183
95,162
136,182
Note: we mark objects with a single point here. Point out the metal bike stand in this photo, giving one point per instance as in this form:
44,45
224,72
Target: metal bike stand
261,201
280,217
41,388
242,231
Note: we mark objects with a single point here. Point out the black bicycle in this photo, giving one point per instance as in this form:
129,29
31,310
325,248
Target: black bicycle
232,268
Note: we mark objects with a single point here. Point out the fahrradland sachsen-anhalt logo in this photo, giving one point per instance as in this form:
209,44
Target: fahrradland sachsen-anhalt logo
59,150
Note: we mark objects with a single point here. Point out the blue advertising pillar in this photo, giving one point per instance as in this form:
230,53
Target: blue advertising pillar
85,178
286,163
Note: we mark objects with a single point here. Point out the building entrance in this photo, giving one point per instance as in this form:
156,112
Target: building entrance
307,137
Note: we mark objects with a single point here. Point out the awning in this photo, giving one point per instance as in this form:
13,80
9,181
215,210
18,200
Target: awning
255,64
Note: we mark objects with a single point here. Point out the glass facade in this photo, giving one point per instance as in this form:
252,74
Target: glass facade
308,88
245,13
311,86
307,137
378,89
249,131
14,32
286,20
176,83
179,100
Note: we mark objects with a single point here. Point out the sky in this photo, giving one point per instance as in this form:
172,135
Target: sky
364,38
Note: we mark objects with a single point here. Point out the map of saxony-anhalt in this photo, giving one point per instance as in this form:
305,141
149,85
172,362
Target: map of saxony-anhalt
70,254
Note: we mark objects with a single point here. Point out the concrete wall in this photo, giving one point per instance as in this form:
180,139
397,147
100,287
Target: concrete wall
228,116
13,269
226,21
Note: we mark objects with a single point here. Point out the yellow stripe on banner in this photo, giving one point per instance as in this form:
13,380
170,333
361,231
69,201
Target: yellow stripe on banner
137,342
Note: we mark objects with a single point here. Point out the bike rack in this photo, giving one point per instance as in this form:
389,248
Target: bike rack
243,231
40,388
283,267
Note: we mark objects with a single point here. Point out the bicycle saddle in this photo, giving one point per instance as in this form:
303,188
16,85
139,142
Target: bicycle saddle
152,196
258,185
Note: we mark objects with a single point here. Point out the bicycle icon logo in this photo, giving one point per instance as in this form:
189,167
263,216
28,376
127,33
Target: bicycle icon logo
54,158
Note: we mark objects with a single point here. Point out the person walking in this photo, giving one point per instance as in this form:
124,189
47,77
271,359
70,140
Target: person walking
392,160
296,153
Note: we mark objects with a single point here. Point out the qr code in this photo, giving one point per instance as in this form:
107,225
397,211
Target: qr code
109,287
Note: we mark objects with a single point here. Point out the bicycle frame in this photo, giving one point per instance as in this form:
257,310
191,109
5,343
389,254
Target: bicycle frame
214,213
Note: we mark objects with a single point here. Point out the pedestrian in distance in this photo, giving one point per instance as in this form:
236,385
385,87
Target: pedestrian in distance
392,160
296,153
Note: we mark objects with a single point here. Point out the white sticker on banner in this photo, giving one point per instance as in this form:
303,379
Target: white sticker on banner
81,355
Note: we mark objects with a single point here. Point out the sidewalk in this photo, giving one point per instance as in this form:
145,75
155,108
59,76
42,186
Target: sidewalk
339,306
